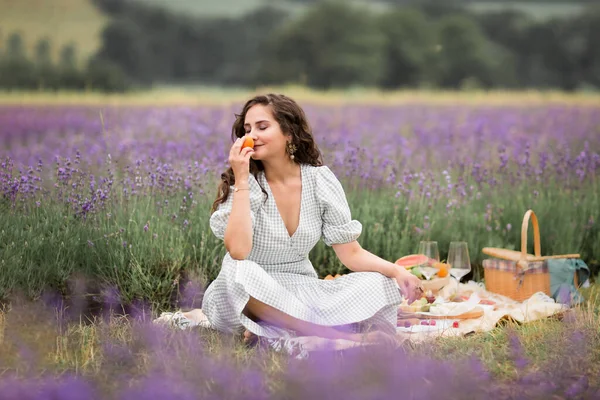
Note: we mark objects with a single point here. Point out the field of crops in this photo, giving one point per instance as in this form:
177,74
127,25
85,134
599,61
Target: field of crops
122,193
108,203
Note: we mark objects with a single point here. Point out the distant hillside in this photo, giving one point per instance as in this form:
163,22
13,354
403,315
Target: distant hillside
219,8
62,21
538,8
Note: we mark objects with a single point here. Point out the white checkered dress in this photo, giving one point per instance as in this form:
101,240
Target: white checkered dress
278,272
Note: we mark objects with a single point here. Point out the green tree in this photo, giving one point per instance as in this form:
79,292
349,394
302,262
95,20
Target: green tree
70,76
462,48
16,70
331,45
125,44
584,43
409,48
46,74
509,31
249,37
68,56
15,48
106,76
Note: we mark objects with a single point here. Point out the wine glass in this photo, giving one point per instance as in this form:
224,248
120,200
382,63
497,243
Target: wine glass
430,250
458,258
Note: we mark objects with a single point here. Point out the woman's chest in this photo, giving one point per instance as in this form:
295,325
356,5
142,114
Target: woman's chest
288,203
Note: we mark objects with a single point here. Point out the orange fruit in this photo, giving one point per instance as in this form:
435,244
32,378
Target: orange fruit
443,269
248,142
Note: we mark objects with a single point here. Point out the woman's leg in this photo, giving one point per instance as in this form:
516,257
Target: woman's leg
256,309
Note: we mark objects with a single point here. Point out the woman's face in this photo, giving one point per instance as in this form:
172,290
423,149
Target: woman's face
269,140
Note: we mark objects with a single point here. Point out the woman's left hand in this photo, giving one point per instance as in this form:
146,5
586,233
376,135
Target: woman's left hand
410,285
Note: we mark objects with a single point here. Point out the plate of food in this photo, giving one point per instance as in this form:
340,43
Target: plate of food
434,278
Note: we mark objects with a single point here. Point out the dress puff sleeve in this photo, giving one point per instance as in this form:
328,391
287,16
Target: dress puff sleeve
219,218
338,225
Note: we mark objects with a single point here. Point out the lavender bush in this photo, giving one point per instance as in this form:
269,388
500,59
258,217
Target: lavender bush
107,208
122,194
42,357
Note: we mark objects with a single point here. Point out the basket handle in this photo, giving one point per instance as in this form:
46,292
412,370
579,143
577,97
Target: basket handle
536,237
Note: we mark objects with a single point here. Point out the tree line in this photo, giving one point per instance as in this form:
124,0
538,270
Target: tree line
18,71
429,43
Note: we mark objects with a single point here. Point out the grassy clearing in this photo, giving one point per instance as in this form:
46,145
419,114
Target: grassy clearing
62,21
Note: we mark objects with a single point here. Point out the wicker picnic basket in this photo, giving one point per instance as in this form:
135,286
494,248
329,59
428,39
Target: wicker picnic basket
517,274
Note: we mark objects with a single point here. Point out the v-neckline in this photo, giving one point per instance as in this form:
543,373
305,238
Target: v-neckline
277,208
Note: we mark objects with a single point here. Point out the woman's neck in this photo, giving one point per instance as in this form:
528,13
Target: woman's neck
281,171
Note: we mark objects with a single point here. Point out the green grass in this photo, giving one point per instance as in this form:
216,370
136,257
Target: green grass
62,21
80,347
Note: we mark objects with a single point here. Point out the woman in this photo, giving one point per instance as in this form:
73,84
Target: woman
273,205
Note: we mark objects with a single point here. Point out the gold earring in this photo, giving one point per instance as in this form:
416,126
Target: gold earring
290,148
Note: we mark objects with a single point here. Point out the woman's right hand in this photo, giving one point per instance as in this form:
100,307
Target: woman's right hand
411,286
239,160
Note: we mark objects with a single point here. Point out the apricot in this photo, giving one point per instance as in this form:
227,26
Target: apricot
248,142
443,269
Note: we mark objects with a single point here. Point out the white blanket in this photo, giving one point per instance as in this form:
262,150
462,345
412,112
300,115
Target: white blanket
536,307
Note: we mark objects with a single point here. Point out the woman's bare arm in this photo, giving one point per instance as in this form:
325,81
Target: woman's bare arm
357,259
238,234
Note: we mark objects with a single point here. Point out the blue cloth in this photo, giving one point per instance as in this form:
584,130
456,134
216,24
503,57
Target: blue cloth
562,273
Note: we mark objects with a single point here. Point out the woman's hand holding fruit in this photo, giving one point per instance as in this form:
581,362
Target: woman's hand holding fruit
239,158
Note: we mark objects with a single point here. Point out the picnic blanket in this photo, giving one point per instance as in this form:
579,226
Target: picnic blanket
538,306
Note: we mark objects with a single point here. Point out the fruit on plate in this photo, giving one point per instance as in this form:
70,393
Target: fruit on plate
429,296
420,305
412,260
436,282
248,142
417,272
442,268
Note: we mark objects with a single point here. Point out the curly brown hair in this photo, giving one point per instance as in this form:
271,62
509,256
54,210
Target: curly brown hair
293,122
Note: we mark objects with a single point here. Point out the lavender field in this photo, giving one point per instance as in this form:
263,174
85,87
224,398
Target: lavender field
106,208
